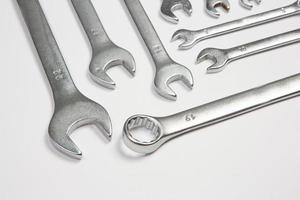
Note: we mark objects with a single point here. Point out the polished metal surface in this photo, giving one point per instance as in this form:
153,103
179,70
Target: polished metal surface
72,109
247,3
105,54
212,5
163,129
169,6
221,57
191,38
167,70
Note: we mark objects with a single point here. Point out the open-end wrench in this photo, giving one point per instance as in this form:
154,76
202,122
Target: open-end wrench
191,38
221,57
105,54
72,109
167,70
247,4
211,7
163,129
169,6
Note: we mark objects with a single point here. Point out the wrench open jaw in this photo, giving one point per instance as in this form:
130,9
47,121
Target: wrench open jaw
211,7
218,56
248,5
108,57
169,6
188,37
79,111
169,73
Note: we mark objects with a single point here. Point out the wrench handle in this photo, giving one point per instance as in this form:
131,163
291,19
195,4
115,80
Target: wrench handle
91,23
248,22
53,62
231,107
147,31
264,45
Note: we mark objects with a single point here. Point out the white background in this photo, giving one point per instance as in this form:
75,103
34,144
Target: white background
256,156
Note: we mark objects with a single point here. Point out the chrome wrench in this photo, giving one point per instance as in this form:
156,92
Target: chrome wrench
167,70
166,128
221,57
169,6
191,38
211,6
105,54
72,109
248,5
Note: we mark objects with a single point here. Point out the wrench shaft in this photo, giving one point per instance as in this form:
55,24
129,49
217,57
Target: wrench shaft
91,23
264,45
147,31
231,106
53,62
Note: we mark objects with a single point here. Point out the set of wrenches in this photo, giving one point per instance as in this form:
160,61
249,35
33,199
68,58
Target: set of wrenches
169,6
73,109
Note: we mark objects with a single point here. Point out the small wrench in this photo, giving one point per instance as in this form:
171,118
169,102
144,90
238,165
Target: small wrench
247,4
221,57
72,109
169,6
163,129
211,6
191,38
167,71
105,54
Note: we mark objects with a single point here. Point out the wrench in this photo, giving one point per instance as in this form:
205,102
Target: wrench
211,6
247,4
72,109
191,38
163,129
221,57
167,71
169,6
105,53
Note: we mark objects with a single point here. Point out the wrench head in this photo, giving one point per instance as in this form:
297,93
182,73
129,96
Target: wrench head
218,56
247,4
72,114
168,74
211,7
169,6
108,57
188,37
152,126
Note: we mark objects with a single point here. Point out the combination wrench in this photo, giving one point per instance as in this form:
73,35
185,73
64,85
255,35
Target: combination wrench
211,7
169,6
167,71
248,5
163,129
72,108
221,57
105,54
191,38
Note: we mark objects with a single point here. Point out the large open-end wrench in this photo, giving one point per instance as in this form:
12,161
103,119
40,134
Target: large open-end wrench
191,38
167,70
211,7
169,6
72,109
164,129
105,54
221,57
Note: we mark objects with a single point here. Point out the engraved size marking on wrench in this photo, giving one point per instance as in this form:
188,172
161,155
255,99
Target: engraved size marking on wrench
59,74
190,117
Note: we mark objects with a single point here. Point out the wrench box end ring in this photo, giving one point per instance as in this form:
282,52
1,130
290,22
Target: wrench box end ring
147,123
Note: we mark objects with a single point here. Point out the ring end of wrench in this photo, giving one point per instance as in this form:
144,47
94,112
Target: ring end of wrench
148,123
